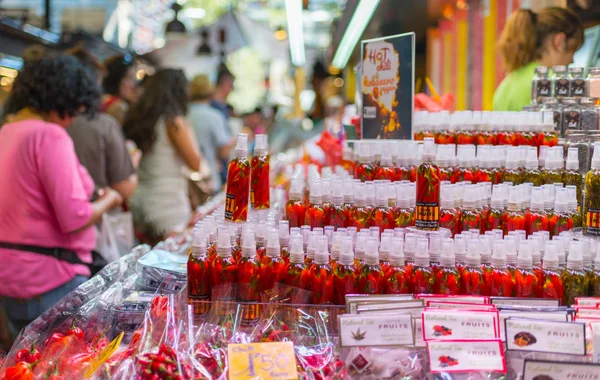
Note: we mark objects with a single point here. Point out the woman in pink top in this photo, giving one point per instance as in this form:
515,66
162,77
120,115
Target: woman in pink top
46,228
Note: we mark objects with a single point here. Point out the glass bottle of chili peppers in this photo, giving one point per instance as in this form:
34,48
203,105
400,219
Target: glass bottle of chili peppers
371,277
260,189
574,210
295,209
198,274
338,214
381,214
347,161
311,249
402,216
361,214
321,282
422,275
238,182
511,168
572,175
315,213
336,249
495,219
364,168
435,252
514,216
469,218
536,218
272,265
573,278
448,214
261,240
447,278
284,240
553,171
344,274
224,268
326,201
428,189
466,161
537,243
348,201
591,199
386,169
561,220
471,280
443,161
248,284
385,251
486,263
502,279
396,280
460,253
525,278
296,274
552,286
594,286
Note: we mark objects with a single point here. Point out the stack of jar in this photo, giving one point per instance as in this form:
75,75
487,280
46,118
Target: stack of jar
564,83
243,264
487,128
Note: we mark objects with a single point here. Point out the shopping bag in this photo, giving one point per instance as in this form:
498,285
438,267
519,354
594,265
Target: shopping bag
116,236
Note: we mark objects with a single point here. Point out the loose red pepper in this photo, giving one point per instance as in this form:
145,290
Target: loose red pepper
20,371
28,355
75,331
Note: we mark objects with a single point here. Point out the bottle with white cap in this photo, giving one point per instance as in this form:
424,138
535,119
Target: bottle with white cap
360,212
293,275
511,252
198,272
471,280
502,279
364,167
435,251
361,248
574,280
295,208
536,219
514,217
238,182
553,286
495,216
574,206
422,275
381,215
385,251
402,216
386,169
315,213
466,163
595,284
561,220
448,213
591,198
249,269
337,214
371,277
526,281
448,279
553,170
344,273
511,168
284,240
397,281
460,252
572,175
321,280
326,197
469,218
224,270
485,250
428,189
532,173
336,248
272,265
259,188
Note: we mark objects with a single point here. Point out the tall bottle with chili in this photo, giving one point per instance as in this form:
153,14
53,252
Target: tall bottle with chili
591,199
296,273
198,274
396,280
295,209
553,285
573,278
428,189
259,190
321,282
525,278
447,278
364,168
381,214
472,278
502,279
238,182
371,276
360,213
315,214
344,274
224,268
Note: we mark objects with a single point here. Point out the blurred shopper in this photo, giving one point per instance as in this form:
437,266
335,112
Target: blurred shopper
210,128
549,37
224,86
120,86
157,124
46,228
99,141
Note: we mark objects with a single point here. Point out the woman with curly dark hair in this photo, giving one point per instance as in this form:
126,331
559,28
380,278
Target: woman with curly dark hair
120,86
157,124
46,229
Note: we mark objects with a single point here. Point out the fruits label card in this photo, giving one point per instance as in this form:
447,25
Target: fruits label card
466,356
414,311
524,301
458,324
447,298
353,300
545,336
561,316
376,330
550,370
587,301
459,305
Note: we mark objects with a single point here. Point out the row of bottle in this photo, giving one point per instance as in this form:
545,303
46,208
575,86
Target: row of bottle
486,163
331,264
487,127
563,82
571,115
247,179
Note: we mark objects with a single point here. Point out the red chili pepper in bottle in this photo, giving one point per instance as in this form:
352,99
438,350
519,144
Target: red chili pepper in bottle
322,282
364,168
514,216
259,190
469,218
553,286
472,282
381,214
360,215
249,272
238,182
536,219
344,274
198,275
224,269
561,220
526,282
272,265
294,273
422,274
315,214
465,137
447,278
428,190
371,277
295,209
412,173
386,170
448,214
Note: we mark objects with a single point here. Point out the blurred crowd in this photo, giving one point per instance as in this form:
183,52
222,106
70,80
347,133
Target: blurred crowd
81,139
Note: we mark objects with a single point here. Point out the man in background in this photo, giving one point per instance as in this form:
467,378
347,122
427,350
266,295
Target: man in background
223,88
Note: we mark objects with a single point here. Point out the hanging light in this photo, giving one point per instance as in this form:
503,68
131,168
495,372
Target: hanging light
293,9
175,26
204,47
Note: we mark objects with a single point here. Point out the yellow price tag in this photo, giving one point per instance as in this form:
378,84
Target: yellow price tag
255,361
104,355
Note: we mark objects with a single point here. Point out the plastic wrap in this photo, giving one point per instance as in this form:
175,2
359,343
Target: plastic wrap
385,362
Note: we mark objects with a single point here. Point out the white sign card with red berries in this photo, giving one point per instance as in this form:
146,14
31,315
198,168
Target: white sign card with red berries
376,330
452,324
545,336
466,356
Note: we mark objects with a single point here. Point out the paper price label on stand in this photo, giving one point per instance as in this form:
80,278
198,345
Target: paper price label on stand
274,360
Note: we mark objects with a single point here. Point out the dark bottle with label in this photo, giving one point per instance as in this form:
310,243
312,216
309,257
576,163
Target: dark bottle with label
560,82
428,189
541,85
577,83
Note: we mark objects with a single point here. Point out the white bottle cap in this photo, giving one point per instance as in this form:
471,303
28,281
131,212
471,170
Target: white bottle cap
261,146
273,247
361,245
485,249
223,242
199,247
336,245
435,248
372,254
346,254
561,203
531,162
575,259
499,257
410,246
385,248
511,249
460,248
248,244
473,255
311,249
397,251
573,159
447,259
381,199
524,259
551,255
422,256
428,149
315,192
241,146
322,254
284,232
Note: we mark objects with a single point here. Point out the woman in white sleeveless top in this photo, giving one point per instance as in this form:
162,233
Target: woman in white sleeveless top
157,124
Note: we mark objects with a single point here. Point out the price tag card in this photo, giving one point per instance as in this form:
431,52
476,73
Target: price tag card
464,356
541,369
376,330
524,301
274,360
455,324
545,336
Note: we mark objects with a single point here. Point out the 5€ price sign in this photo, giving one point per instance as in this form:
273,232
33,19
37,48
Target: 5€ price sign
274,360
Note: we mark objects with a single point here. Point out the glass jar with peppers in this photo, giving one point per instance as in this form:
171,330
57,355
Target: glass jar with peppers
260,188
344,274
295,208
428,190
198,274
502,279
322,281
238,182
447,278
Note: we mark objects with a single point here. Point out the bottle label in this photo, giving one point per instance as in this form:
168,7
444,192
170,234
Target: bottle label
250,314
454,324
561,87
465,356
229,206
541,369
200,304
545,336
427,215
577,87
572,119
592,222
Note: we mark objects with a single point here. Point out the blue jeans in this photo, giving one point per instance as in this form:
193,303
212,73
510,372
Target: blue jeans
21,312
